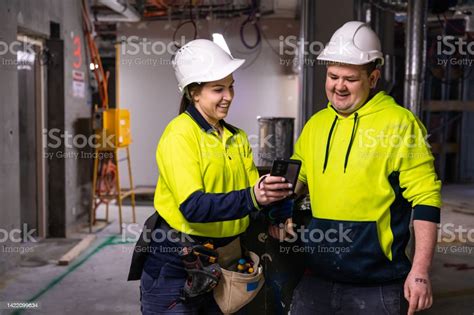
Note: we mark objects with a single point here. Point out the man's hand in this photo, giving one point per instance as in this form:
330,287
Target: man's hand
280,211
270,189
418,285
282,231
418,291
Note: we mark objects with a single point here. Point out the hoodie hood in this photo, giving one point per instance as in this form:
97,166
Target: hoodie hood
378,102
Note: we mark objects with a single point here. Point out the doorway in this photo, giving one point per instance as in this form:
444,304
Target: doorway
31,100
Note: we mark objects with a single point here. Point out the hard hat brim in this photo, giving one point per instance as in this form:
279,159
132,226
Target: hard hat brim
216,75
345,59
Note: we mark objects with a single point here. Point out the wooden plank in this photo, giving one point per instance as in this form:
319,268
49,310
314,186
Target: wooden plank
444,106
76,250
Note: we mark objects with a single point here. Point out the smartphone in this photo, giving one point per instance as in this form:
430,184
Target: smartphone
289,169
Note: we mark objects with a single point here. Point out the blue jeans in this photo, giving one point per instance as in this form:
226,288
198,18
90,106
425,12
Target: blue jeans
314,295
157,295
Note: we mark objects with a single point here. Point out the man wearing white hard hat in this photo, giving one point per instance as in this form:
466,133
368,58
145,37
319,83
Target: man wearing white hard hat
206,189
369,173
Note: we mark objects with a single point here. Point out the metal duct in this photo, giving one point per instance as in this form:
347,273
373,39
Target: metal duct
415,43
126,13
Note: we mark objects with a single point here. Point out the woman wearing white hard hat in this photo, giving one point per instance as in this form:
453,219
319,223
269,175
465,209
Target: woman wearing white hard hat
207,186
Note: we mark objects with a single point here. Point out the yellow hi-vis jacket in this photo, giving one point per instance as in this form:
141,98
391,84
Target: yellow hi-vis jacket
205,185
365,174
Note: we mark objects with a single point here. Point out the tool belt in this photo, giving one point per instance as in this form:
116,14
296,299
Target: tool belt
208,269
216,269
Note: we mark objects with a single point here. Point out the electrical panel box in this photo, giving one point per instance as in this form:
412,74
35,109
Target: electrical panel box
115,131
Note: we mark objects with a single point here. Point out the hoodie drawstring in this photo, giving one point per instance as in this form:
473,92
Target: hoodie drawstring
326,157
350,142
328,143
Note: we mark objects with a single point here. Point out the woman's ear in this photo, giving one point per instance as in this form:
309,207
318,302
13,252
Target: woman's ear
194,96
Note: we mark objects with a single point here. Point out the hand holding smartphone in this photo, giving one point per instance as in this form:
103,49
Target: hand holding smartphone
289,169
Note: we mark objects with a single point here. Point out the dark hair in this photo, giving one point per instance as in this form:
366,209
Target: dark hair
187,98
371,66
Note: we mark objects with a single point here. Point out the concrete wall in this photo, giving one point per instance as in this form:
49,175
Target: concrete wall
9,149
33,18
148,87
77,113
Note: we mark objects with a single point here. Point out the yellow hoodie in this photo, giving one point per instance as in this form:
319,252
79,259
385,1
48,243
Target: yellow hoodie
365,174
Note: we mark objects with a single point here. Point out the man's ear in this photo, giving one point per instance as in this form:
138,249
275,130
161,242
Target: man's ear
374,78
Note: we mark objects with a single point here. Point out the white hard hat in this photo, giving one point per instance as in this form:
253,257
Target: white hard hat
353,43
202,60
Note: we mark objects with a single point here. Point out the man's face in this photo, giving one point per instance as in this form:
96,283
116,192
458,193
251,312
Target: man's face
348,86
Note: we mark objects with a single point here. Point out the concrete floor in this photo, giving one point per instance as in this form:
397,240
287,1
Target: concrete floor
95,283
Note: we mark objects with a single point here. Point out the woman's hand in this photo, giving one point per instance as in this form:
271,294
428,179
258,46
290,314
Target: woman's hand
272,188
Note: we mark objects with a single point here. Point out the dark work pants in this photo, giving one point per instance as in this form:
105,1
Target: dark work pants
158,294
314,295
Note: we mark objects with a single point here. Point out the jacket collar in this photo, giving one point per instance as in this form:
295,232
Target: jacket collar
202,122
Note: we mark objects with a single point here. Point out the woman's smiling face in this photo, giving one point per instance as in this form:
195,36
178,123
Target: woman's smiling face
214,99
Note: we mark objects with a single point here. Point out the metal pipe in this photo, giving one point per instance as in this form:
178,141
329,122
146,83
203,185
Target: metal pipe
389,5
375,18
307,73
415,43
359,13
